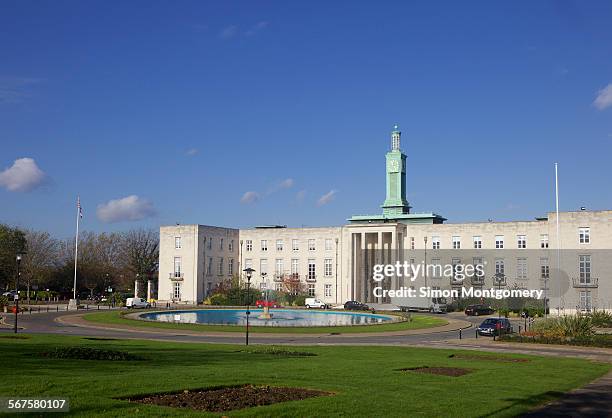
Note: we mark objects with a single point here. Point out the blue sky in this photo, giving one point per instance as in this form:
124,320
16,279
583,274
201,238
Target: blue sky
164,112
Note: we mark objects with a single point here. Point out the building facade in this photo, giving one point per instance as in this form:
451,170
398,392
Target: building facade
570,260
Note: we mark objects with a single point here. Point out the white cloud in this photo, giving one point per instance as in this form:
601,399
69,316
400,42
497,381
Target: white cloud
604,98
228,32
130,208
286,184
326,198
259,26
23,176
249,197
191,152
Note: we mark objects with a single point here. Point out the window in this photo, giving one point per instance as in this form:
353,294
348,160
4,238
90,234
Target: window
456,242
279,245
328,244
294,245
477,241
311,269
221,244
499,241
521,241
248,263
263,286
544,268
177,266
328,290
585,300
435,243
264,245
311,245
584,266
295,269
230,267
436,270
176,291
177,242
477,261
327,267
209,267
278,269
249,245
456,262
278,287
544,241
311,290
584,235
521,268
500,268
231,245
263,266
210,243
208,288
412,243
220,267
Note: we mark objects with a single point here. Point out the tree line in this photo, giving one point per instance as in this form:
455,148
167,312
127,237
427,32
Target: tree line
105,260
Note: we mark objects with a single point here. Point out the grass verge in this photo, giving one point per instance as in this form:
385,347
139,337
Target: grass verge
118,318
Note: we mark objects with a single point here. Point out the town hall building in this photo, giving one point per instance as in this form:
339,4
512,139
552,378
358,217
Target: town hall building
569,260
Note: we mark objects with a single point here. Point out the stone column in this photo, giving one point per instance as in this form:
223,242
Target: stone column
149,290
135,288
362,269
380,252
393,257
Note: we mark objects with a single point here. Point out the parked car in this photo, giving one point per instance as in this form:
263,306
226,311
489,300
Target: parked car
495,326
315,303
269,303
10,295
477,310
134,303
353,305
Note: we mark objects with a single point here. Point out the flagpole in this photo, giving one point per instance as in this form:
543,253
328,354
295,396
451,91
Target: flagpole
558,239
76,246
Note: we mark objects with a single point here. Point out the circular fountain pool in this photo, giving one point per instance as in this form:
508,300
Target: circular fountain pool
280,317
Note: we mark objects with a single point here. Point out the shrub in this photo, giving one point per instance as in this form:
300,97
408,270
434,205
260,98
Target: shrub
567,327
218,299
601,319
87,353
3,301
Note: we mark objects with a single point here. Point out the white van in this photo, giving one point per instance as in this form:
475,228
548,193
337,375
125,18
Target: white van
137,303
315,303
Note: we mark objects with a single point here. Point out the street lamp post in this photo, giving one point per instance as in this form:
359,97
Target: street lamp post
249,273
425,241
19,257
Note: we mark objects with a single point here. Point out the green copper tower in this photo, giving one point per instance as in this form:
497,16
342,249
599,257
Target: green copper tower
396,203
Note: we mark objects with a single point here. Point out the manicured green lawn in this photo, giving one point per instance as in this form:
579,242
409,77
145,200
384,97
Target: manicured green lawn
418,322
365,380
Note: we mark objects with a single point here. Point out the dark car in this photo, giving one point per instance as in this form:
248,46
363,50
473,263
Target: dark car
353,305
495,326
477,310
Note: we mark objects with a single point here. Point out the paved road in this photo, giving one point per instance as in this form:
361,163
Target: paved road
67,324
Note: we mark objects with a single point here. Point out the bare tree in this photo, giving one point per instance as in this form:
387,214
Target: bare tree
140,249
42,257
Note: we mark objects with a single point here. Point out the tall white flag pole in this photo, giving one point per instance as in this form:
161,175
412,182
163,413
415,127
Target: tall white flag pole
558,239
76,246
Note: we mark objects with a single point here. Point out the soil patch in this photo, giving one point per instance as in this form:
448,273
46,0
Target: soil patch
86,353
488,358
229,398
442,371
275,351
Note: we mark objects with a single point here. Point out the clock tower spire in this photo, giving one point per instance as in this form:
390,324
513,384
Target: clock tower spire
396,203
